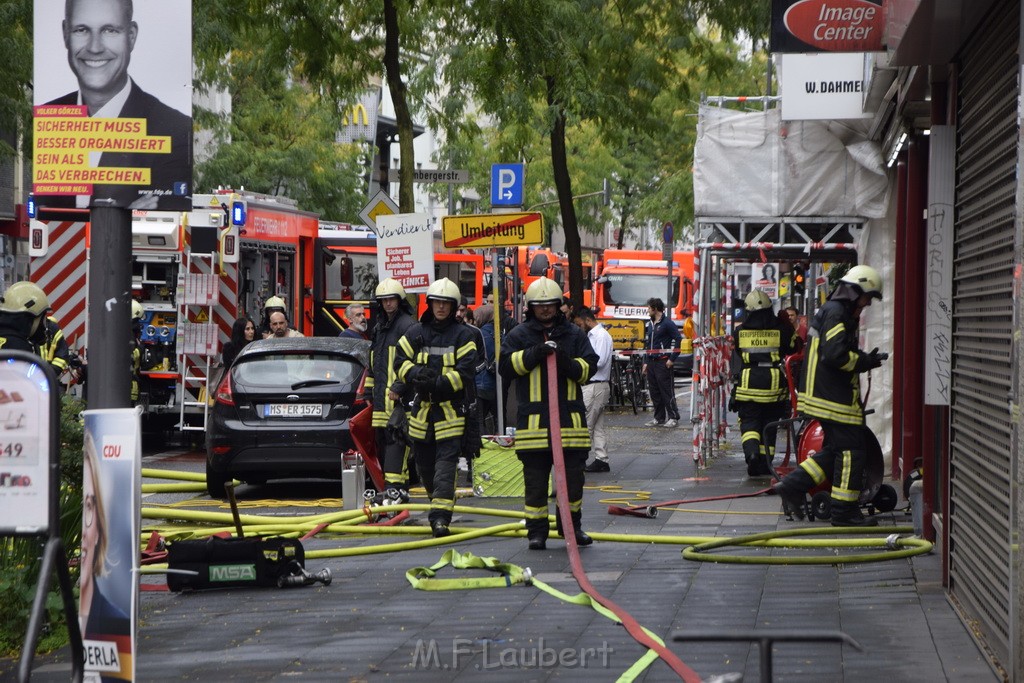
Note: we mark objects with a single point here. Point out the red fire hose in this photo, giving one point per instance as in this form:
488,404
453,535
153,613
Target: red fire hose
568,530
652,510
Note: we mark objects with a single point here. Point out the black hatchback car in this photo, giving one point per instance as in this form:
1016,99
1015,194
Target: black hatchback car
282,410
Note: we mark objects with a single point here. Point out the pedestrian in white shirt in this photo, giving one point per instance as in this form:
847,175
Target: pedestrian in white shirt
597,391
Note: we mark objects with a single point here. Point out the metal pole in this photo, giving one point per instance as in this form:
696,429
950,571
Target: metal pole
499,307
109,288
670,303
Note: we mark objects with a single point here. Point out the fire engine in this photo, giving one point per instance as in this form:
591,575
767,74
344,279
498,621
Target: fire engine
628,278
194,273
347,273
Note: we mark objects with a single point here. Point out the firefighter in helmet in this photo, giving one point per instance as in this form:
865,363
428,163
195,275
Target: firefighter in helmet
389,394
136,348
830,392
274,304
23,308
54,348
759,393
438,357
524,353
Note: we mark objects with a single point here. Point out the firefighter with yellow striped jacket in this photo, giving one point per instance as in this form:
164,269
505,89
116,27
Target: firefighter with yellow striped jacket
23,308
830,392
524,354
760,393
438,357
393,319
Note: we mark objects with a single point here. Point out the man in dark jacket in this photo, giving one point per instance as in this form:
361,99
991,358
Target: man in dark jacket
524,359
394,318
830,392
438,357
663,342
760,394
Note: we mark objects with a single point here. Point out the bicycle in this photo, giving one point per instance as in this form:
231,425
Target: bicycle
631,382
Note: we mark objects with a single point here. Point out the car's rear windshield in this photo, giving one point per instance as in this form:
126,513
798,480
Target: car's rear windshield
286,369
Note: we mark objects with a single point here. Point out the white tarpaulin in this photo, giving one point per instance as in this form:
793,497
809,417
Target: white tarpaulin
752,164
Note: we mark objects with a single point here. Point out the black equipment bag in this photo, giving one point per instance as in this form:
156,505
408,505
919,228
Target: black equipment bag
231,562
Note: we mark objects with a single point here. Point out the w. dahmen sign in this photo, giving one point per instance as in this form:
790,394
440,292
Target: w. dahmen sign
827,26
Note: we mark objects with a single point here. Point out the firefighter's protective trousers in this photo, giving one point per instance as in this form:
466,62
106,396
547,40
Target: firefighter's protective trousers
437,465
841,461
537,467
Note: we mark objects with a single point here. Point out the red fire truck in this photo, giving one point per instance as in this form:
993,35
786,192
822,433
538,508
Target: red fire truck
194,273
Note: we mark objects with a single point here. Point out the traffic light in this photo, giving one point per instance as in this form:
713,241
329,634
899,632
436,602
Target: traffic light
798,275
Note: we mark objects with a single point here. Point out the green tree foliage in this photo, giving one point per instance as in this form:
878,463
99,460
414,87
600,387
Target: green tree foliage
16,73
280,139
340,46
606,64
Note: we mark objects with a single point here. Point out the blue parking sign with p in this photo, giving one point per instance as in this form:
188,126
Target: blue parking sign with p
507,185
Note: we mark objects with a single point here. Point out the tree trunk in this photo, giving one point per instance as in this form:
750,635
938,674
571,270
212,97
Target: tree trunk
563,186
393,68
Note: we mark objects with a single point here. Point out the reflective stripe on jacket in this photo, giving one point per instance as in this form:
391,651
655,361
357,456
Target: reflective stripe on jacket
382,377
452,352
829,382
761,345
521,363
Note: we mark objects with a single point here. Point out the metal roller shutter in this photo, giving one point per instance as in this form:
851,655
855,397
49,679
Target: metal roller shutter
983,327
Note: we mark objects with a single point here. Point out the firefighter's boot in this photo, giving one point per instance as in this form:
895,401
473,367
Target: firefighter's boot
752,455
582,539
537,533
849,514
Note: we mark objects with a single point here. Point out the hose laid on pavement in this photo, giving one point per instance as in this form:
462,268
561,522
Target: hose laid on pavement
425,578
896,547
562,497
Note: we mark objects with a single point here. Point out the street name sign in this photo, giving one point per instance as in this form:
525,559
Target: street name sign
456,176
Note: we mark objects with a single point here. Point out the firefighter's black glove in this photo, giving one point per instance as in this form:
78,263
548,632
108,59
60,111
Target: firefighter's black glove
732,400
875,358
536,354
425,380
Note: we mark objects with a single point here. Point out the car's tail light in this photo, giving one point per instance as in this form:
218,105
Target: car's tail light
223,395
220,450
359,404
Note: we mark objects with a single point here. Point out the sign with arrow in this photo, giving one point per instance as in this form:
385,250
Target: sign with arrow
507,184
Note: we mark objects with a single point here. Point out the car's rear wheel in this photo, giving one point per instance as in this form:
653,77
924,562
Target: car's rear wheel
215,483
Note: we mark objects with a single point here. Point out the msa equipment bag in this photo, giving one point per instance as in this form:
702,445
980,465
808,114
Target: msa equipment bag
233,562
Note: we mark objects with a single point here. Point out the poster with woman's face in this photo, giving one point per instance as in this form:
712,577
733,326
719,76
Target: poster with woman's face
111,494
765,276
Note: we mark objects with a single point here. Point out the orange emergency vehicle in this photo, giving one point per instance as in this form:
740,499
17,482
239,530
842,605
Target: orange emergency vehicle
628,278
346,272
194,273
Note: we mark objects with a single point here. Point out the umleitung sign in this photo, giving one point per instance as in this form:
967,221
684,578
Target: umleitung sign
827,26
492,230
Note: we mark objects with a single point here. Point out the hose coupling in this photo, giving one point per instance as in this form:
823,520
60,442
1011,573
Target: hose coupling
527,577
892,542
